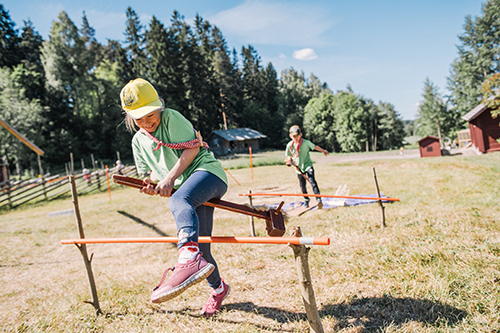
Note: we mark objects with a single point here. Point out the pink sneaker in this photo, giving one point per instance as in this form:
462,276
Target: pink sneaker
212,306
183,277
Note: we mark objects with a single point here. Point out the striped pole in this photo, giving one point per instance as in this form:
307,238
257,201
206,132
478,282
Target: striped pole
205,239
316,196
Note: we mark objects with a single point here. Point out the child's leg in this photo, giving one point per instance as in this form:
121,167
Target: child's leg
196,190
206,218
312,180
303,188
184,203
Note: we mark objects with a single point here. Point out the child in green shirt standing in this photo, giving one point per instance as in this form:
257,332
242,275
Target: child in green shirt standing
297,154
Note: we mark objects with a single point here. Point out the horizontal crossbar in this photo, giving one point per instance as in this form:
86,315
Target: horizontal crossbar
206,239
315,196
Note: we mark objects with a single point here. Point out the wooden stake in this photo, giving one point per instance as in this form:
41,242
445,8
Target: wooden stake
107,178
301,254
382,209
252,224
83,248
251,164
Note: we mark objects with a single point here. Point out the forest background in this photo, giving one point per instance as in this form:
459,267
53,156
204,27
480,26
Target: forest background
63,93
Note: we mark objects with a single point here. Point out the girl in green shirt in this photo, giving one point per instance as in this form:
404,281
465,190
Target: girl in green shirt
167,149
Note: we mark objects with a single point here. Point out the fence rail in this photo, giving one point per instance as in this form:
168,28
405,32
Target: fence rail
54,187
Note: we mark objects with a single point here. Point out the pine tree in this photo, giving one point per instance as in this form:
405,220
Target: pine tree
478,58
433,116
134,40
9,40
33,75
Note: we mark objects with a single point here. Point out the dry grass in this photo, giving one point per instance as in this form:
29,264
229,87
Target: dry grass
436,268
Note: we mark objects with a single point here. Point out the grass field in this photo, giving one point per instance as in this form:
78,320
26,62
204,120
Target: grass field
435,268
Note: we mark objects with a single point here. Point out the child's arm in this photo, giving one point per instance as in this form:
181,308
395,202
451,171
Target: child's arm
324,151
164,187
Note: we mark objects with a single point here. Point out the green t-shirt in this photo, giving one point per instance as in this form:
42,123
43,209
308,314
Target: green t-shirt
302,158
173,128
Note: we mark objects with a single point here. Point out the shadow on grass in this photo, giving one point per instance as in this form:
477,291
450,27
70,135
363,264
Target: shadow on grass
372,314
141,222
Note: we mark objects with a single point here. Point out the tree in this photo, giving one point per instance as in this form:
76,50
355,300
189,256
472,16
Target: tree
228,78
319,121
9,40
294,97
390,129
32,76
433,116
478,58
22,113
134,40
491,94
63,59
351,118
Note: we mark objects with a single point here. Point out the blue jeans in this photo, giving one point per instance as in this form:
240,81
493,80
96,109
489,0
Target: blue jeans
192,218
310,175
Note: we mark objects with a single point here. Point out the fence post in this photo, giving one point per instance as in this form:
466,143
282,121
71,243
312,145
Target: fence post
382,208
83,248
301,254
252,224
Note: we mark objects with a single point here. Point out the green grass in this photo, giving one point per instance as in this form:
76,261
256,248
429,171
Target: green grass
435,268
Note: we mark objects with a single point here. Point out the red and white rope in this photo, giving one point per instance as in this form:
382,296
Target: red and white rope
180,145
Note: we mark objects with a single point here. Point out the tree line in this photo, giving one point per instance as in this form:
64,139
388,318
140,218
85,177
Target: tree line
473,78
63,93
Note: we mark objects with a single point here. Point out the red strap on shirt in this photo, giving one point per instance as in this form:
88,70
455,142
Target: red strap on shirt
181,145
297,148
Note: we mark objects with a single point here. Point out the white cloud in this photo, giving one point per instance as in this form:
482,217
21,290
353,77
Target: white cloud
304,54
282,56
275,22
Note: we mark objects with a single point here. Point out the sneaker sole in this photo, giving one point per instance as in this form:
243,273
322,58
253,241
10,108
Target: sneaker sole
194,279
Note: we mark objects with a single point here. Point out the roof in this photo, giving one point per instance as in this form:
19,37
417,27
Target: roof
474,113
429,137
239,134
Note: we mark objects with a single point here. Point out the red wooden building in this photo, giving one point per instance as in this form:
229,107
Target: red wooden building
484,130
429,146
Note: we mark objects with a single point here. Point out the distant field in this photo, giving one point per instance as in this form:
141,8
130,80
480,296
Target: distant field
435,268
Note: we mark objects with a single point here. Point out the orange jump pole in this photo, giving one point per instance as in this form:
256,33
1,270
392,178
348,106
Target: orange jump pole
316,196
206,239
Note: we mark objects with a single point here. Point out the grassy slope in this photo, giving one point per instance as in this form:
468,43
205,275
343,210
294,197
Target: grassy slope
436,268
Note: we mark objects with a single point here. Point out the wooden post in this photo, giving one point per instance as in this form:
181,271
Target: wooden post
252,224
301,254
251,164
40,170
93,162
107,179
71,164
382,208
83,249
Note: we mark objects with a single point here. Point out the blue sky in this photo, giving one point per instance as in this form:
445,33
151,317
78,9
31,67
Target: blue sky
384,49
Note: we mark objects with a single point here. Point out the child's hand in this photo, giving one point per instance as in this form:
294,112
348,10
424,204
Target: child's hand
149,189
164,188
325,152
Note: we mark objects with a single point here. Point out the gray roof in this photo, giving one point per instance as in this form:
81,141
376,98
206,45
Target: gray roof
474,113
239,134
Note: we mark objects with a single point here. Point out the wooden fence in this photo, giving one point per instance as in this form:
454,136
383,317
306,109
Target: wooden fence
54,187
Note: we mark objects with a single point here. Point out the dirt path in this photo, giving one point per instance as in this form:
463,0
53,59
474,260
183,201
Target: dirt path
349,157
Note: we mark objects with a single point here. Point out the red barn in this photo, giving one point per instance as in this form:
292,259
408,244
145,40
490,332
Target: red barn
429,146
484,129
